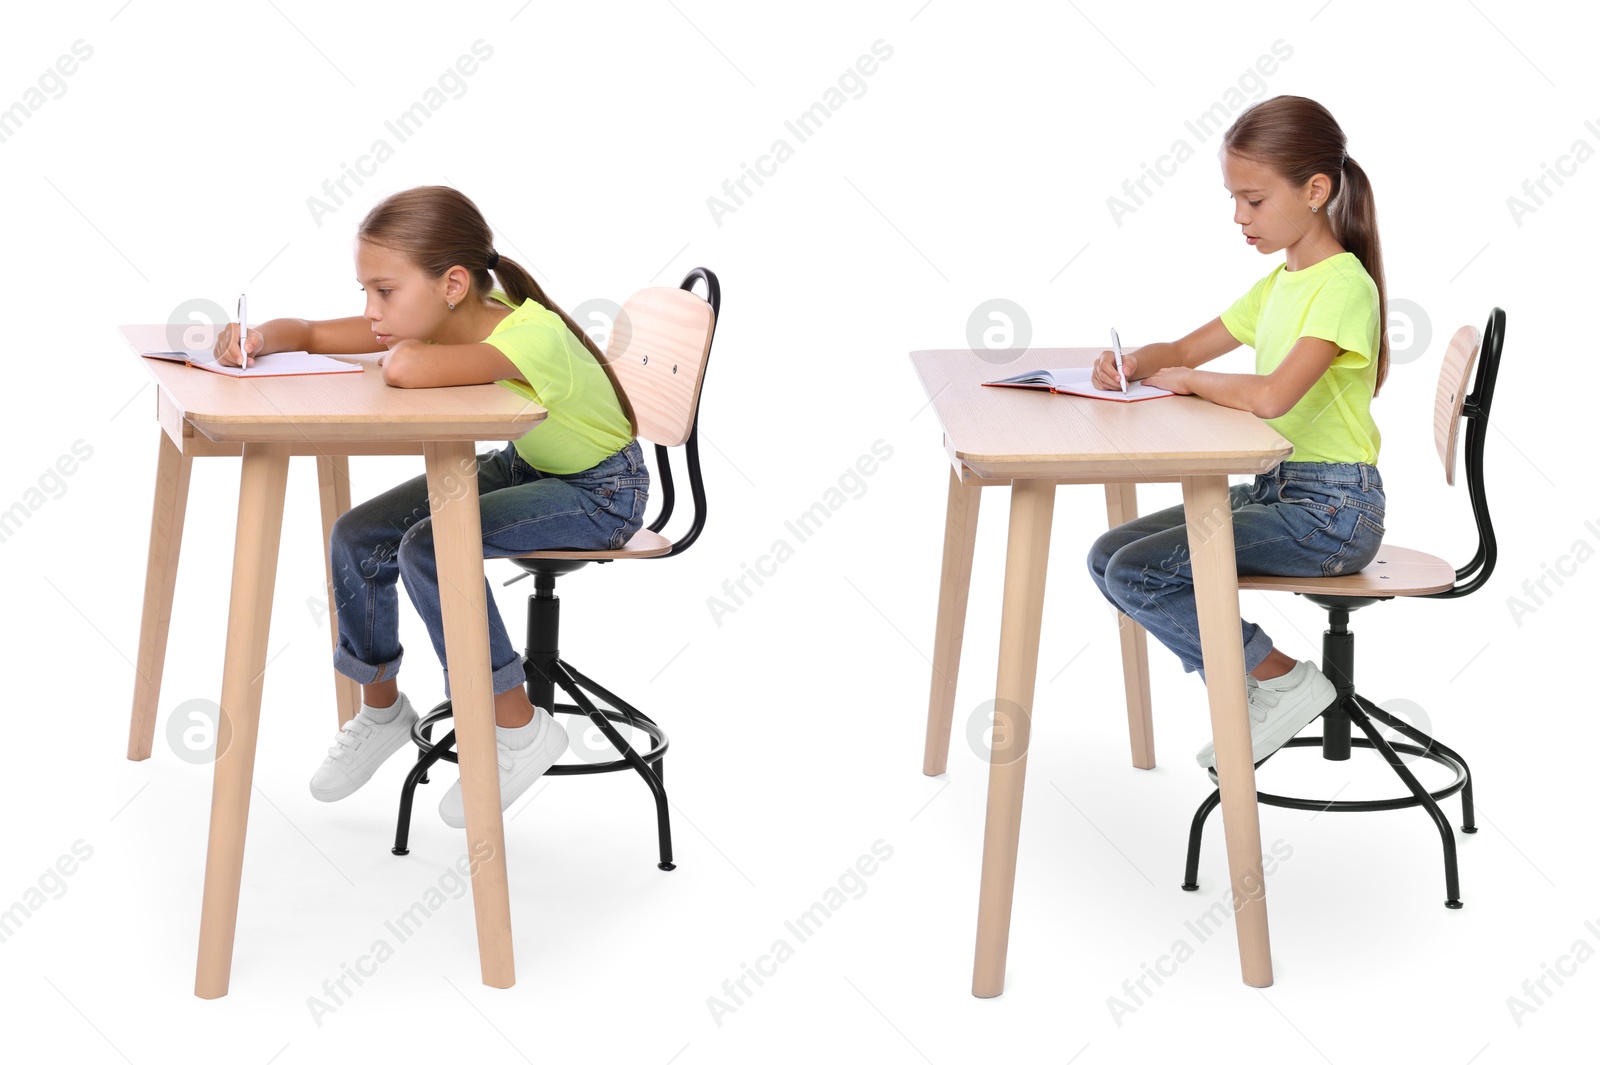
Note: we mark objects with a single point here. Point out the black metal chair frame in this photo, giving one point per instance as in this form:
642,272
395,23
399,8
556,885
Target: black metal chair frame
1338,664
546,669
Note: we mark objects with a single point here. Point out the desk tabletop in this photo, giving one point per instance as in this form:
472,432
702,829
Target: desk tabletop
1005,433
330,407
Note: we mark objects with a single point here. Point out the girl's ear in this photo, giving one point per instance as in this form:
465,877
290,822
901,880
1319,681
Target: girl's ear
457,283
1320,187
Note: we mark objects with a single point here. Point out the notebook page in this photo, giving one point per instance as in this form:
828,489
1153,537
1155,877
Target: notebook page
1079,379
275,364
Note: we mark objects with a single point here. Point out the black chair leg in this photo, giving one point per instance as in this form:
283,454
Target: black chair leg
632,713
1468,825
1191,869
566,677
1446,834
418,775
427,734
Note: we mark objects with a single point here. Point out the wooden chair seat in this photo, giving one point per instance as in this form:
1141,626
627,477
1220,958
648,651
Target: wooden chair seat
643,544
1395,571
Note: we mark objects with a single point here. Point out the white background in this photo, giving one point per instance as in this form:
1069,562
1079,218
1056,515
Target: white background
177,163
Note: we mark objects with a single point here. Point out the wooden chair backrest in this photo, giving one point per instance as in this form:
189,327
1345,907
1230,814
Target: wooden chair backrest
657,356
1455,375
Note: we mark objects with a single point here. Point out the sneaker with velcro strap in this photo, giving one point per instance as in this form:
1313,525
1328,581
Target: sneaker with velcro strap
362,745
1279,708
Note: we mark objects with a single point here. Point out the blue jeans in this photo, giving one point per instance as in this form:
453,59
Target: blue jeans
522,509
1299,519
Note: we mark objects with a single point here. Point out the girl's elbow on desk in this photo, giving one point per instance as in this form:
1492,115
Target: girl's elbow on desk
1269,402
1266,408
400,368
1258,398
393,375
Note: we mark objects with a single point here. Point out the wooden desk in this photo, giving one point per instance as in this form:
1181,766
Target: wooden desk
1034,441
331,416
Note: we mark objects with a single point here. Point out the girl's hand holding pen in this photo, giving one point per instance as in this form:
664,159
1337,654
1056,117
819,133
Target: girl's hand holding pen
1105,370
227,347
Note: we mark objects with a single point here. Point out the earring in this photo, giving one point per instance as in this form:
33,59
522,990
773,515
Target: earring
453,306
1313,211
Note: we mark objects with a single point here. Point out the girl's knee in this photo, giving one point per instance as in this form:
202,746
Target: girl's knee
1122,565
1101,552
416,542
1135,575
418,531
350,534
365,523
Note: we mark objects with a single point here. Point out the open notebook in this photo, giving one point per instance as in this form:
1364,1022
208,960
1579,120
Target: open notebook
276,364
1075,381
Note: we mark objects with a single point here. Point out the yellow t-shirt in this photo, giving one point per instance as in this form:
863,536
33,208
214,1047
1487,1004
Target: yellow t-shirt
586,422
1336,300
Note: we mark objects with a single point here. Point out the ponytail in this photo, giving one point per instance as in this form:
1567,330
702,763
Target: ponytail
1354,217
520,287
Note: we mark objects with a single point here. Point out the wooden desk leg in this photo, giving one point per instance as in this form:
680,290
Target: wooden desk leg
160,574
333,482
1122,506
255,568
458,544
1027,552
1209,515
955,576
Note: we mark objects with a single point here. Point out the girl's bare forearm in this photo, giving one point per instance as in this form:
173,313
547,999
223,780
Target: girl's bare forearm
1242,391
334,336
1157,356
283,334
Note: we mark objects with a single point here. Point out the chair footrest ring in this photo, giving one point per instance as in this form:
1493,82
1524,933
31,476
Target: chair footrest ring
658,738
1363,805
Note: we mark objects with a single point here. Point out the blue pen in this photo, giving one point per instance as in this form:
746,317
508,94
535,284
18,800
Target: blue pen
1116,349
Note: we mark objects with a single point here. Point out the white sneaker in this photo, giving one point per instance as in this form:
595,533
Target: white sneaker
1279,708
361,746
518,768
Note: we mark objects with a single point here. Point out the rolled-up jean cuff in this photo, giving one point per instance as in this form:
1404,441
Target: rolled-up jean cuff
511,675
362,673
1255,652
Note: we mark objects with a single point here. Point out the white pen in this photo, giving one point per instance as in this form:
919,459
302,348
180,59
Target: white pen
244,331
1116,349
